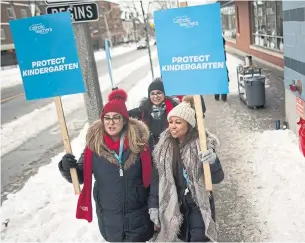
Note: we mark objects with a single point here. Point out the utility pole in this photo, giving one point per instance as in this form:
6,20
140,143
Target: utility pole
147,40
93,97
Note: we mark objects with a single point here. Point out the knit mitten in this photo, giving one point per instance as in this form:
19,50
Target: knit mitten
154,216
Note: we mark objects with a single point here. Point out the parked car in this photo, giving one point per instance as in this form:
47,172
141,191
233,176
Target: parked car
142,44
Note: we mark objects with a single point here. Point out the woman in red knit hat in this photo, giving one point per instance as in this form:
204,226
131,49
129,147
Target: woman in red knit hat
118,156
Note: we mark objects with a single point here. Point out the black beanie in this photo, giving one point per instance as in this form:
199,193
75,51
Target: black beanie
157,84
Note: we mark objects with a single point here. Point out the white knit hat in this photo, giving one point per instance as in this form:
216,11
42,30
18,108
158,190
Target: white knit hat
185,111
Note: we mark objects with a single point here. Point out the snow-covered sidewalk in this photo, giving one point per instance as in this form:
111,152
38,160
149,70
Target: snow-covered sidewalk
261,196
259,200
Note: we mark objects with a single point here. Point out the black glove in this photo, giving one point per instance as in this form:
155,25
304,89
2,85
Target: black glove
68,162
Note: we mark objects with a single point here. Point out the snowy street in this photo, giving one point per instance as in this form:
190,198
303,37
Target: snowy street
259,200
29,129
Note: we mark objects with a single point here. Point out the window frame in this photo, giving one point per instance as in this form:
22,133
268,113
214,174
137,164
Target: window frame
269,39
10,12
3,36
23,10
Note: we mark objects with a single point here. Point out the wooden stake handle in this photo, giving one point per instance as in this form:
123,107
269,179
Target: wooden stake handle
202,139
66,141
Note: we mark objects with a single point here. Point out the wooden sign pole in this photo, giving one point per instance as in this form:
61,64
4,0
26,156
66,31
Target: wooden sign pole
66,141
202,139
201,131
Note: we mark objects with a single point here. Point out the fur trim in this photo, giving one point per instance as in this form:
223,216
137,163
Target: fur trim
137,133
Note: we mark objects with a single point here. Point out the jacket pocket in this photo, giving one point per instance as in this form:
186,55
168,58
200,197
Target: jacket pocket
97,200
141,195
99,215
139,219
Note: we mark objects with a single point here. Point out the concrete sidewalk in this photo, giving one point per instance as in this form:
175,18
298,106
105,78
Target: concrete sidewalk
233,122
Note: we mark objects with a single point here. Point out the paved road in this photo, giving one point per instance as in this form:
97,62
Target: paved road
19,165
16,107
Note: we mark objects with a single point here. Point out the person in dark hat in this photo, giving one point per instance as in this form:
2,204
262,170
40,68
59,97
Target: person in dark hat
118,156
154,109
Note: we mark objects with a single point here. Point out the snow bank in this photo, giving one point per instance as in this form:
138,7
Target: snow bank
44,209
277,184
14,134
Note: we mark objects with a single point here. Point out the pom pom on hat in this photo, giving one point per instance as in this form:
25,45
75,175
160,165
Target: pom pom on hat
116,103
189,99
185,111
118,94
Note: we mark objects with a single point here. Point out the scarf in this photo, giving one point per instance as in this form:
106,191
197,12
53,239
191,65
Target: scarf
157,112
84,204
115,145
169,207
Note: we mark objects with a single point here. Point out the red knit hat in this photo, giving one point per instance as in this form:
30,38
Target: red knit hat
116,103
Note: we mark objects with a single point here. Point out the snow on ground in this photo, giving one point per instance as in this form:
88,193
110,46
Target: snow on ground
278,185
44,209
115,51
11,76
14,134
232,63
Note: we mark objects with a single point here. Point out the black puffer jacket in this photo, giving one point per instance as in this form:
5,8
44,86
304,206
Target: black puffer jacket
193,227
121,202
156,126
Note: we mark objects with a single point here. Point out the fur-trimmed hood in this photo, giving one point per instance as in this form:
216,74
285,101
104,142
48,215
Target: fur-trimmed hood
137,134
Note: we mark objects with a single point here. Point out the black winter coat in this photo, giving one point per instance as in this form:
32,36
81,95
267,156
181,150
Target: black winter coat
156,126
121,202
192,228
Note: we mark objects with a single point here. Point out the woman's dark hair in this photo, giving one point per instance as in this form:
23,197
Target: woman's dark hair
191,135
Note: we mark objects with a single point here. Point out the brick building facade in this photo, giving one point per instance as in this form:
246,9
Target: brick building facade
255,28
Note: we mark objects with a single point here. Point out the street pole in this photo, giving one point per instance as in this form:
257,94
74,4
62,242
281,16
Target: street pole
147,39
93,97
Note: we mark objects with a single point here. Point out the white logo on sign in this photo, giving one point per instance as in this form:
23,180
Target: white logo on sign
185,21
40,29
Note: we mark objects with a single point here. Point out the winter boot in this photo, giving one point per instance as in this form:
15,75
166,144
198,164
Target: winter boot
224,97
217,97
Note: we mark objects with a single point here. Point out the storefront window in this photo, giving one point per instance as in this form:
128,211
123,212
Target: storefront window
267,24
228,21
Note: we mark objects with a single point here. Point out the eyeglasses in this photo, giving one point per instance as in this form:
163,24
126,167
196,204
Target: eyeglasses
158,93
114,119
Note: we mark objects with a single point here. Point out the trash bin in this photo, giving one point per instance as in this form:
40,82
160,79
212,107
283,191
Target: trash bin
255,91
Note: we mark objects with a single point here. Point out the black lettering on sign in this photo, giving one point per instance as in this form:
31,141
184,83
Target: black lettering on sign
79,12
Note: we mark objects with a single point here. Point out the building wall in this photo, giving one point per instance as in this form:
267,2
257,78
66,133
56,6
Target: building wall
113,14
244,32
17,8
294,52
